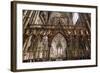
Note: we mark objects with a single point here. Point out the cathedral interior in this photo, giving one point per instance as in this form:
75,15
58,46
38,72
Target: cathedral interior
56,36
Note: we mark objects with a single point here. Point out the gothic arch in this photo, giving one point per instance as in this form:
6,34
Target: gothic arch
58,47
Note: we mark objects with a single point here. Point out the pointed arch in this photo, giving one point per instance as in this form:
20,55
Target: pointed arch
58,47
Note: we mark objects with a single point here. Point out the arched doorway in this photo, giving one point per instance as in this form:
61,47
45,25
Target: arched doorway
58,47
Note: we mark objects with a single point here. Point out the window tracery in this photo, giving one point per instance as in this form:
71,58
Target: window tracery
51,36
